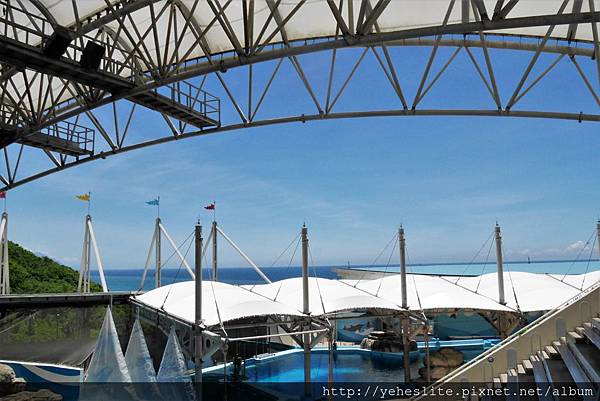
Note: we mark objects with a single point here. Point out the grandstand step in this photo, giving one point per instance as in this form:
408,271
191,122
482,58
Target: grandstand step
538,369
556,372
551,352
592,335
528,366
570,360
588,357
575,338
521,370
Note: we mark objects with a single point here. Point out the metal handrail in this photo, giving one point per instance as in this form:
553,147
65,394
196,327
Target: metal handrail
546,317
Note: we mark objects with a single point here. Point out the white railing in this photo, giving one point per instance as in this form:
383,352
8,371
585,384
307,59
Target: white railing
527,341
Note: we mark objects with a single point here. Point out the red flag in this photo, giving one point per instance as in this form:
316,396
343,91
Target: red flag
210,207
2,195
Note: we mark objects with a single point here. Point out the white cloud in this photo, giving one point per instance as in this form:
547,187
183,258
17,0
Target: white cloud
570,251
576,246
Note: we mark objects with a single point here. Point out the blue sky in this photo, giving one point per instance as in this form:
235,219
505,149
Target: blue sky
446,179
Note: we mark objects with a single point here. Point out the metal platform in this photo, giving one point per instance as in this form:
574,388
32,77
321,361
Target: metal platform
70,299
65,138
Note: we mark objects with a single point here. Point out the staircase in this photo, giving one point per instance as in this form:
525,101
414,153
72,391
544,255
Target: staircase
555,358
573,361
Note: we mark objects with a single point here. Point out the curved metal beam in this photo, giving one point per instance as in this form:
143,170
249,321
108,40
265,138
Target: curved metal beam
45,12
294,49
112,13
497,44
579,117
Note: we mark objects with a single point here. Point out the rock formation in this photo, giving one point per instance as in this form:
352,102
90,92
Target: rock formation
442,362
12,388
385,341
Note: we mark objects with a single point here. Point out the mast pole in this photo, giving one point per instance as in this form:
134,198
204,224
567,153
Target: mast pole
92,239
85,259
158,253
198,343
405,319
88,255
215,276
598,234
305,309
4,268
498,235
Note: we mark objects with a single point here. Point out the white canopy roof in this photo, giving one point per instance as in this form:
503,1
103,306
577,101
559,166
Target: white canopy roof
326,296
302,21
429,293
220,302
224,302
314,19
535,292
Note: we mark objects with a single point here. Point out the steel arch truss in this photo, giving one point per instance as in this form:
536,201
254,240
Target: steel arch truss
72,114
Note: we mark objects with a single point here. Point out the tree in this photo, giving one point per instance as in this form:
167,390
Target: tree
32,274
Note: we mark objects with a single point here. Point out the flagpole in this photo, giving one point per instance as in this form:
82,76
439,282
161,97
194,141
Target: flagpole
158,207
215,211
89,202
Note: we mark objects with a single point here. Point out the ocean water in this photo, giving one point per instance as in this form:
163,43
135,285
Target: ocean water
130,279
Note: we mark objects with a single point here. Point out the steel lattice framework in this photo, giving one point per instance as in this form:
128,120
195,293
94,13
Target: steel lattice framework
163,55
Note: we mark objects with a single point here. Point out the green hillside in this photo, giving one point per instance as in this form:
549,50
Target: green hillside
32,274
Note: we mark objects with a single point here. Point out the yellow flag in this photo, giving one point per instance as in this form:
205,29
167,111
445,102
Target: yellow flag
84,197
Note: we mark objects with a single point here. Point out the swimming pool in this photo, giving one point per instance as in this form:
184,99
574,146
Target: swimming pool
350,364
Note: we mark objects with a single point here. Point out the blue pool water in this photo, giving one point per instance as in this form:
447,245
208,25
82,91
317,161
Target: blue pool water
350,364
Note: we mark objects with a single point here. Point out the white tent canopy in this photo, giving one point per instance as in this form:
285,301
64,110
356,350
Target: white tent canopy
304,21
224,302
429,293
535,292
220,302
326,296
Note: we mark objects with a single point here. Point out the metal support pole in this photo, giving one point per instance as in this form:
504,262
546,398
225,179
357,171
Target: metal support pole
92,239
198,343
330,364
176,249
405,318
215,276
157,247
306,310
4,269
85,259
402,244
243,255
88,259
152,244
85,268
501,298
598,235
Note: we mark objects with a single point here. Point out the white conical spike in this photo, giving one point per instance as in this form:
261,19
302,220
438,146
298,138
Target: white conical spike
137,356
173,365
108,363
173,368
